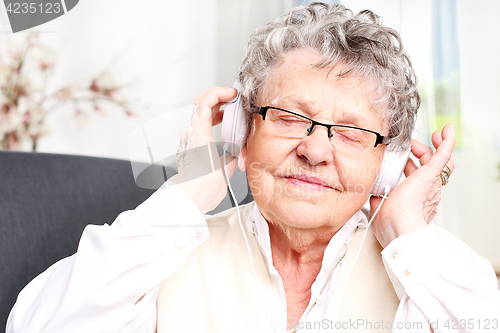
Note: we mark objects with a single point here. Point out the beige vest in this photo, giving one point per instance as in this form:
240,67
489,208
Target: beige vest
215,290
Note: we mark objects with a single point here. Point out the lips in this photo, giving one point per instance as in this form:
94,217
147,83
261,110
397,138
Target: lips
308,180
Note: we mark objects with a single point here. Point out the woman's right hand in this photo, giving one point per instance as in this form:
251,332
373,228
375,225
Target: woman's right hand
196,152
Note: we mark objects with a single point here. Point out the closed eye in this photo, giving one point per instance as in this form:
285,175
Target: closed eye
350,134
290,119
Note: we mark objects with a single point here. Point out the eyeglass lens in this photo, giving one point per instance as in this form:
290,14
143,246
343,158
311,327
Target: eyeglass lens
287,125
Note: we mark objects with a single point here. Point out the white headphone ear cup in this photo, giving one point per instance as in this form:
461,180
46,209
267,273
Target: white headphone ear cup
233,129
377,188
240,130
391,170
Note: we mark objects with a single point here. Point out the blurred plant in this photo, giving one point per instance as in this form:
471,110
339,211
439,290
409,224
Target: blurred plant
25,104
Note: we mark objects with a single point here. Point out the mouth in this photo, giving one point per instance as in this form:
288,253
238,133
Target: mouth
308,182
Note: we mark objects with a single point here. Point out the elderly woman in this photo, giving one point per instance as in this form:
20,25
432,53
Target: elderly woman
326,93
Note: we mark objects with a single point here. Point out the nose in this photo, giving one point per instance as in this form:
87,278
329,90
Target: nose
316,147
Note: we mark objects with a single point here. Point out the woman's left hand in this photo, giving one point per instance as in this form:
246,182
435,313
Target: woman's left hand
414,202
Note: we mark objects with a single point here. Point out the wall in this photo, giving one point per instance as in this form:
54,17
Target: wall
164,50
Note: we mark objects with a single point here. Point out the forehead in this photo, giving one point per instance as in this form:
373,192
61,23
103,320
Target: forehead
320,92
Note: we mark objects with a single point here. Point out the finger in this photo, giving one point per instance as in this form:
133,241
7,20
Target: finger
451,164
443,153
209,103
437,138
421,151
217,114
216,109
206,108
218,118
410,168
374,203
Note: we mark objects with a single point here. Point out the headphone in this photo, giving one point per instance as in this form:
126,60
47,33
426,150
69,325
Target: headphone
234,130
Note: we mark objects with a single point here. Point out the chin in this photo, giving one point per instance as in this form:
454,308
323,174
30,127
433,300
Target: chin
301,214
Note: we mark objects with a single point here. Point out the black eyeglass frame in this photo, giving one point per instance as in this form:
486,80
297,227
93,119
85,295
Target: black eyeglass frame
380,139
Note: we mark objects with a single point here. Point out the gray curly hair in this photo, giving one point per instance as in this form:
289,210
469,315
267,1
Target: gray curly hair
359,42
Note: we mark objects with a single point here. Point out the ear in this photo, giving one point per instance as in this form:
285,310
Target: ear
242,158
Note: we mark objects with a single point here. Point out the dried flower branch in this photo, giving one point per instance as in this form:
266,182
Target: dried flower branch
24,103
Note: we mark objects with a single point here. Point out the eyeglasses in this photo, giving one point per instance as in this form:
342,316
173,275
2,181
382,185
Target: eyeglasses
289,124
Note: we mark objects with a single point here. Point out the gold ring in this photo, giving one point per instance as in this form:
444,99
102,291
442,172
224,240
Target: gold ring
445,175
